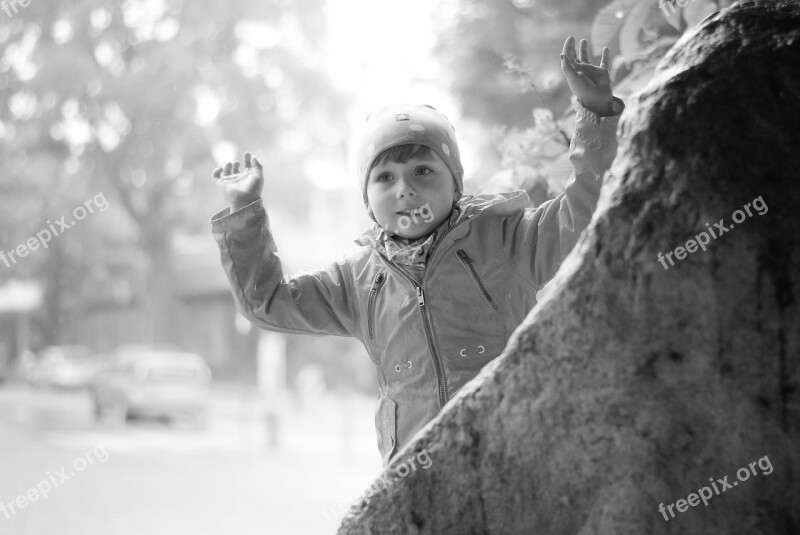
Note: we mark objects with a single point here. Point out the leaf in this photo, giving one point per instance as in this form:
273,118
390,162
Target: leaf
671,13
629,44
609,20
636,80
643,69
697,10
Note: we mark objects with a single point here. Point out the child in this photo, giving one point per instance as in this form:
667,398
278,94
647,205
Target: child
442,279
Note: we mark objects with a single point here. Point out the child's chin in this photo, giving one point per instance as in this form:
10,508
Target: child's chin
411,235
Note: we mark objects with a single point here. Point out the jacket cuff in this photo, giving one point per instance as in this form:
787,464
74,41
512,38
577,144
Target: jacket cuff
239,218
582,112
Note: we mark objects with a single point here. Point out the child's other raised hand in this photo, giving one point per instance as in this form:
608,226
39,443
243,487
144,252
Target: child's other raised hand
590,83
240,187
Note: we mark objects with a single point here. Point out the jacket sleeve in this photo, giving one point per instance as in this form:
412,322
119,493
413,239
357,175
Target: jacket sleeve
317,303
538,239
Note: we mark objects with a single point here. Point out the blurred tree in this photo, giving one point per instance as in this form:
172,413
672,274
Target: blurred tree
480,37
140,101
503,65
642,31
502,61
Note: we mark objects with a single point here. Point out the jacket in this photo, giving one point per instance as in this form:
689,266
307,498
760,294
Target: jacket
427,333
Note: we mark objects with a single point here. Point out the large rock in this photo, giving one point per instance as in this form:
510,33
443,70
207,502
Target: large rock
630,384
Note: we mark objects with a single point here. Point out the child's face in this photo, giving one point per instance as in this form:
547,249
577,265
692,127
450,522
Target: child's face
395,189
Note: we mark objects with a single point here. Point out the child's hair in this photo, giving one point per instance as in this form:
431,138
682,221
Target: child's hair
401,154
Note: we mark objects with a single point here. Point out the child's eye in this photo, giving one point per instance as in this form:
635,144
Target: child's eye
383,177
424,170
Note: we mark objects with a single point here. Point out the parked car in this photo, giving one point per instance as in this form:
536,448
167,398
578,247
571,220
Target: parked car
67,367
153,382
5,364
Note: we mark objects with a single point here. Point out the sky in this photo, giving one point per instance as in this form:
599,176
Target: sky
381,53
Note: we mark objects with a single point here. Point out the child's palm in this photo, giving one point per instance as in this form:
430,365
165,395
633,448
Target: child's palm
240,186
590,83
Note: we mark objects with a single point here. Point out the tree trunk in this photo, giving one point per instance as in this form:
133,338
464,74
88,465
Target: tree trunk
161,306
637,381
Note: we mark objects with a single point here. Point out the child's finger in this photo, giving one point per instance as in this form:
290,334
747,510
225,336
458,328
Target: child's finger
570,73
569,48
217,172
236,165
256,163
567,66
247,160
228,167
584,51
604,58
570,64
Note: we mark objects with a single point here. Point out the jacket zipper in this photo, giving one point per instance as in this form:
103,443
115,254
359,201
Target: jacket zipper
426,317
462,254
373,294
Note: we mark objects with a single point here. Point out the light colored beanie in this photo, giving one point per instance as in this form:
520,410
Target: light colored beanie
406,125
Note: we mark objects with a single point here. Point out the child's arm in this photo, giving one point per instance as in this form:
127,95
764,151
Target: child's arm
538,239
320,302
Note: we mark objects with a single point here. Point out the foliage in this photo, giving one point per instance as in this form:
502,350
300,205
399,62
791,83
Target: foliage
479,36
640,31
140,100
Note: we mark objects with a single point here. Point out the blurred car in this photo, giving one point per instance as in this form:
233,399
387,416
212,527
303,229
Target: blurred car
153,382
5,365
67,367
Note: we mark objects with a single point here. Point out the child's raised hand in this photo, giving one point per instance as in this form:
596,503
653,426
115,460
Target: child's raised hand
240,188
591,84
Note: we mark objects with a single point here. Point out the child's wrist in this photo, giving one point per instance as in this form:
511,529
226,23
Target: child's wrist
603,109
239,204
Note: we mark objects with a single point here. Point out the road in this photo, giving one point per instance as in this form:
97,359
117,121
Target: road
80,477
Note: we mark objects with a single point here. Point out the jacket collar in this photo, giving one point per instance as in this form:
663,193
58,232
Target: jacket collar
472,206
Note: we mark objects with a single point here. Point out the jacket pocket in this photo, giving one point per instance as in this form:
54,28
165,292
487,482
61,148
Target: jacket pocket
377,284
467,261
386,427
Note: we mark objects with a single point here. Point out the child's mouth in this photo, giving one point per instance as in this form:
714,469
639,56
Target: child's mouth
410,213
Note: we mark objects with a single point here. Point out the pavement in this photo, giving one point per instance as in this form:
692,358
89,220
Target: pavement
296,472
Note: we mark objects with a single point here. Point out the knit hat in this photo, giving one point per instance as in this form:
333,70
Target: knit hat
404,125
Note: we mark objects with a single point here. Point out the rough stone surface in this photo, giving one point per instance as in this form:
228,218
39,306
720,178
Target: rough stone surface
630,385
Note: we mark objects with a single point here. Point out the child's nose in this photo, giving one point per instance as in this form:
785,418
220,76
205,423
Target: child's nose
405,187
402,193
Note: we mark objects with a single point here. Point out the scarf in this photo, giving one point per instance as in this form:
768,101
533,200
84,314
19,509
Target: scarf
416,252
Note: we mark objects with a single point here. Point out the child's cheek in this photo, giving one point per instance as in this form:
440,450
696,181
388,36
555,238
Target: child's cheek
426,213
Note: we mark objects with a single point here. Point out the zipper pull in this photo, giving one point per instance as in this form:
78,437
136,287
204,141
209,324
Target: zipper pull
420,296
